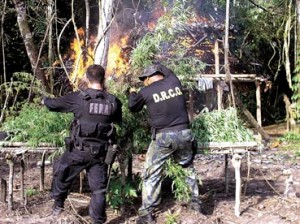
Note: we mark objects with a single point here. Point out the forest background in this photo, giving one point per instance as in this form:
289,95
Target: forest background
54,41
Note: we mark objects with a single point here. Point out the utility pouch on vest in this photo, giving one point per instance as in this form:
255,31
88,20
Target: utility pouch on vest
69,144
95,147
111,154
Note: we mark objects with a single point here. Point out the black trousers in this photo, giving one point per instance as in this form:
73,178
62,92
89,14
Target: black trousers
68,167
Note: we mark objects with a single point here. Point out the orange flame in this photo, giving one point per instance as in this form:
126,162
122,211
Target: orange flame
82,58
151,26
117,63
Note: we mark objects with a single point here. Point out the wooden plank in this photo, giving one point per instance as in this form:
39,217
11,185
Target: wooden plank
20,151
234,77
232,151
227,144
23,144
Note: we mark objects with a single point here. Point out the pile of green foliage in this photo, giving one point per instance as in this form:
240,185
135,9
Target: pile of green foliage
166,42
35,124
221,126
134,130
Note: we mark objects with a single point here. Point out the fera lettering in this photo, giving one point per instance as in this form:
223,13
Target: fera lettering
165,95
100,108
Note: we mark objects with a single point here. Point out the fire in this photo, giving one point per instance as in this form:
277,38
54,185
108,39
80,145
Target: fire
82,57
117,63
151,26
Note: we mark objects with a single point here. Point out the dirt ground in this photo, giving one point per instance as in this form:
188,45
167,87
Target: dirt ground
270,193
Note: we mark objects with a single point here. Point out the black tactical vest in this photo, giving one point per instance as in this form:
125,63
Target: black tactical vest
91,125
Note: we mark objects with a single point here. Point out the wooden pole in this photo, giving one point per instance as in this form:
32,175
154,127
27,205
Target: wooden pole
217,71
226,52
22,171
3,190
226,174
81,178
258,104
236,162
252,119
191,105
10,162
42,172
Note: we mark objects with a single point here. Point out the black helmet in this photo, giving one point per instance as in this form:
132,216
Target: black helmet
151,70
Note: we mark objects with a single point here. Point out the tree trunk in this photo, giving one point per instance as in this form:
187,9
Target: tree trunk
297,50
50,5
32,51
105,19
286,45
226,52
87,22
3,42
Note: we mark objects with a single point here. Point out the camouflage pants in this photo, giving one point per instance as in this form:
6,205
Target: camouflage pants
177,144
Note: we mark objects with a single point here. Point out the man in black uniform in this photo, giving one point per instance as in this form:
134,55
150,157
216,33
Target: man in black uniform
171,135
95,111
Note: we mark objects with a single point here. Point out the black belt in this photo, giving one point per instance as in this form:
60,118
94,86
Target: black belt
179,127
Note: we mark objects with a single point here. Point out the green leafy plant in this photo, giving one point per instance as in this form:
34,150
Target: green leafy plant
171,218
291,142
16,92
120,193
134,129
291,137
35,124
31,192
178,175
296,87
221,126
166,42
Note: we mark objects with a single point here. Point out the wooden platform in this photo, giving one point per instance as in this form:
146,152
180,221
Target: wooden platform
15,152
236,150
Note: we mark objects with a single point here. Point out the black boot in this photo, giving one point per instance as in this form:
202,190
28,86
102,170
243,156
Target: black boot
56,210
195,204
146,219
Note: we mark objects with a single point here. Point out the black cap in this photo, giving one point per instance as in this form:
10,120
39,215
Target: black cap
152,69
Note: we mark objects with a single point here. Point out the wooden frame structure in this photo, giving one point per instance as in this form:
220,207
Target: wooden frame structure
237,78
236,150
16,152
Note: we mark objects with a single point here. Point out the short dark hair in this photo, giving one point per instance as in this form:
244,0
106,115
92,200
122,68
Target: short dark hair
95,73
